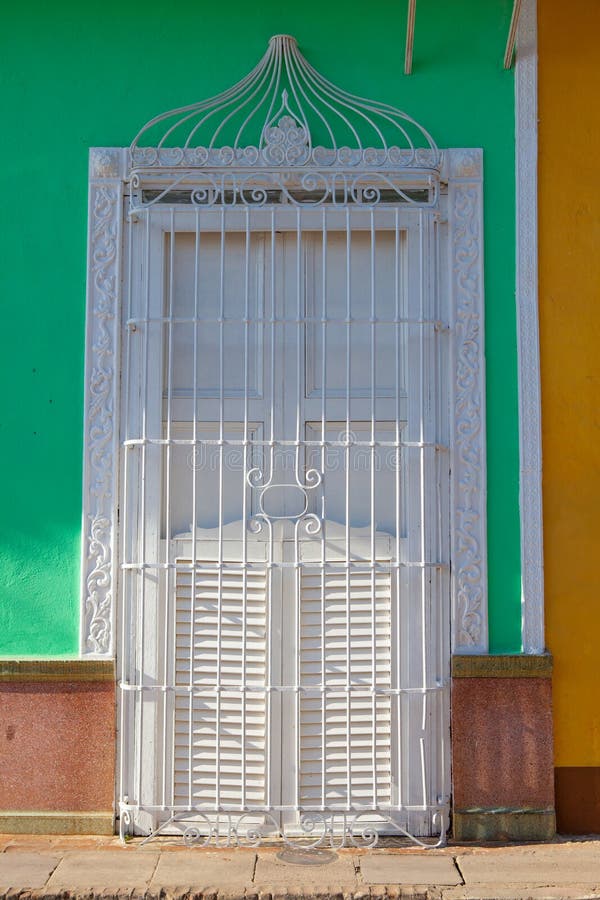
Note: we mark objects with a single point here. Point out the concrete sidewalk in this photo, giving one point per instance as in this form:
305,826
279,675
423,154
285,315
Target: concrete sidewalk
87,867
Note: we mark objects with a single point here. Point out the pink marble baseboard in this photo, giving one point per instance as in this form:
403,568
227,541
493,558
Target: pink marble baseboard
502,749
57,746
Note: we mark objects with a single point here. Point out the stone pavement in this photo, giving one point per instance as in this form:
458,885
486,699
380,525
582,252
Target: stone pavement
87,867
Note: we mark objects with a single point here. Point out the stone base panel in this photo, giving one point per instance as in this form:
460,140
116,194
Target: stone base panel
502,748
57,746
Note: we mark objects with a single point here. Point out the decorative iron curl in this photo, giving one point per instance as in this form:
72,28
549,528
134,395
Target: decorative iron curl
227,155
172,156
313,182
253,835
370,834
124,822
257,523
312,478
308,823
193,835
438,820
310,524
198,156
368,838
255,478
203,196
145,156
256,195
364,192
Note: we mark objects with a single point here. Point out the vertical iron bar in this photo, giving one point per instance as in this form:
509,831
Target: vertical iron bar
423,518
347,504
372,514
299,411
220,528
399,462
128,576
142,597
194,502
269,650
323,507
245,498
167,599
442,433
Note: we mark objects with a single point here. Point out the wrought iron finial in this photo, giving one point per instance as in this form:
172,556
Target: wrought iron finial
284,112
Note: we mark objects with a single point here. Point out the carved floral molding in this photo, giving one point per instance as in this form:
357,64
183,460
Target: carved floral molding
469,534
101,403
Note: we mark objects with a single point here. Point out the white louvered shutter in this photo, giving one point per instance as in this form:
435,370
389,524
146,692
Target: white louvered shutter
345,734
345,646
220,746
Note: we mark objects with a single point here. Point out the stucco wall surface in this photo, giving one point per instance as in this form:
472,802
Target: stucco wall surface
78,75
569,209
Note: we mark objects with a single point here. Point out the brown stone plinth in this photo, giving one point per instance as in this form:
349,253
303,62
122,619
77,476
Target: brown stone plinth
504,825
64,823
502,750
57,748
62,670
502,666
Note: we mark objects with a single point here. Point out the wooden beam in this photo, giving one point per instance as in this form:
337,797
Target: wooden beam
512,35
410,36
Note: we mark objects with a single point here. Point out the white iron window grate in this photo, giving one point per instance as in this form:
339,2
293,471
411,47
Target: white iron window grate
290,658
285,502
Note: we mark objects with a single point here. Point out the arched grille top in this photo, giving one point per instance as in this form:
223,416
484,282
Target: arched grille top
284,113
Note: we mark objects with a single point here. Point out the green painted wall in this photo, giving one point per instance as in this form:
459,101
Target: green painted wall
78,75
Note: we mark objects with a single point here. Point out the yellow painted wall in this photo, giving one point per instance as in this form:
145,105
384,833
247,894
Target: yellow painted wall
569,210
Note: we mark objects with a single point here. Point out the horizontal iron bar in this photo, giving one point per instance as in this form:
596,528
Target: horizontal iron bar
355,809
316,690
263,565
145,175
232,442
305,320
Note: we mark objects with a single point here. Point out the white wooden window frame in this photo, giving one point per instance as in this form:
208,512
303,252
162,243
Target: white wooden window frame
463,174
528,338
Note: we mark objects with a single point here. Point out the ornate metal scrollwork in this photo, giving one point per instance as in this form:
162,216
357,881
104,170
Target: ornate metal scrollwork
272,113
256,480
314,830
285,186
